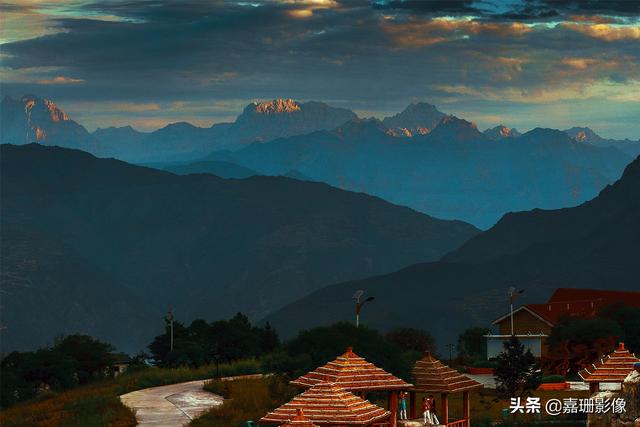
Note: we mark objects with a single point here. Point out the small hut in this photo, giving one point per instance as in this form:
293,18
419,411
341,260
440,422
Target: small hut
612,369
432,376
326,404
299,421
355,374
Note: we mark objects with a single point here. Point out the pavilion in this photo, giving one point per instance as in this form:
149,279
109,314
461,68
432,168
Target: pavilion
432,376
355,374
614,368
327,404
299,421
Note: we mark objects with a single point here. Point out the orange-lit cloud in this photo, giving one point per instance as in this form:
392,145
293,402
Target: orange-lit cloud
605,32
593,19
424,33
300,13
60,80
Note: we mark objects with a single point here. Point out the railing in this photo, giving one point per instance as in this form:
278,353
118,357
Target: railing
459,423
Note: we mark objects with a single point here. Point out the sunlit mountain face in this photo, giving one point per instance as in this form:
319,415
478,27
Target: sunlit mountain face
521,64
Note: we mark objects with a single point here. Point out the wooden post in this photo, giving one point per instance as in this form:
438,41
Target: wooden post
594,388
412,405
444,416
393,407
466,413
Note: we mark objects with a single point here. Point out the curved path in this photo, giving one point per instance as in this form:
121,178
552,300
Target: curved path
170,405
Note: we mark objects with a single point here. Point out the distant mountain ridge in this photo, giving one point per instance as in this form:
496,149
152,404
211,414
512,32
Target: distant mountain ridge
33,119
454,171
593,245
205,246
422,158
587,135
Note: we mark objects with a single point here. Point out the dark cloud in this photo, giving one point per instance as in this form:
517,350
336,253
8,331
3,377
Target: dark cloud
431,7
348,53
543,10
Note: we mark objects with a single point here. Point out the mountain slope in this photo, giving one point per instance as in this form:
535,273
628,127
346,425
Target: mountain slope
218,168
33,119
418,119
49,290
501,131
452,172
591,246
587,135
206,246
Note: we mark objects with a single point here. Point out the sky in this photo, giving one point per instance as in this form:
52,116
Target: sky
522,63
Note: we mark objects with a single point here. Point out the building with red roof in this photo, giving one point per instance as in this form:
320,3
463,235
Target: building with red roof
532,323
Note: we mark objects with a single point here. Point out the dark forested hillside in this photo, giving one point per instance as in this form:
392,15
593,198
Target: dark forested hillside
594,245
205,246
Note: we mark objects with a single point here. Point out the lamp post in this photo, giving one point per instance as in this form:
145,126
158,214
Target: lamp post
169,318
359,304
512,296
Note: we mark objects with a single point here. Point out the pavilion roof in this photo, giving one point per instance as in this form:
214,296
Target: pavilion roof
354,373
613,368
431,375
300,420
328,404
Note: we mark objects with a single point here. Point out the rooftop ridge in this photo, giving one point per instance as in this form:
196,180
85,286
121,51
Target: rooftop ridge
353,373
327,403
431,375
614,367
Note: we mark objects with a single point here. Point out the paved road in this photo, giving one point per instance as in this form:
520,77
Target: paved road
170,405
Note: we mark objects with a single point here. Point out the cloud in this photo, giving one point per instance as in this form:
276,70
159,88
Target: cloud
371,55
420,33
606,32
60,80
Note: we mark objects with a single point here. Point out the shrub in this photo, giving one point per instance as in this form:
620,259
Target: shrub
484,364
553,379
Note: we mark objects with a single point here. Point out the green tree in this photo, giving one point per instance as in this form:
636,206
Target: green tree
92,357
628,318
517,371
412,339
324,343
472,345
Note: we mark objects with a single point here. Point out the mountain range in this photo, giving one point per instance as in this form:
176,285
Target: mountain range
593,245
33,119
453,172
421,157
101,246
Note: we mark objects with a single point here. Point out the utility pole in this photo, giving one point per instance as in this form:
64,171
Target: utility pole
450,346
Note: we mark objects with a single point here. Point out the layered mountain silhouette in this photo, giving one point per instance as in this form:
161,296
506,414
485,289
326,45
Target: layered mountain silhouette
593,245
421,158
454,171
33,119
115,234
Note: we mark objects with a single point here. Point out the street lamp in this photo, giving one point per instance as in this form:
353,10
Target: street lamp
512,296
359,304
169,319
